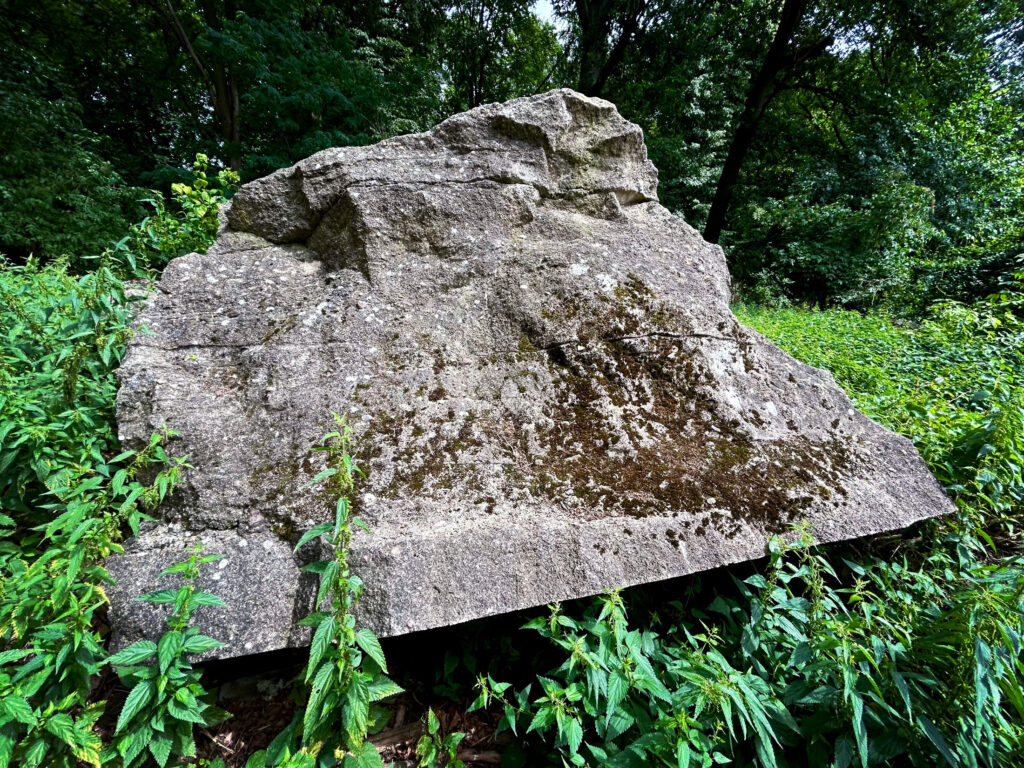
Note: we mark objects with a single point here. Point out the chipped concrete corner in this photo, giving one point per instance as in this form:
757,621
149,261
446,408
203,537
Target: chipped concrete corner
549,393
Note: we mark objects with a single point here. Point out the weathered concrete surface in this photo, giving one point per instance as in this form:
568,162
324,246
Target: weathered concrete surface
548,390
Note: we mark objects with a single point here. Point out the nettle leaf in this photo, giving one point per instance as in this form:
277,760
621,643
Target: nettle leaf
136,653
936,738
205,598
618,685
355,716
200,644
321,681
138,698
6,749
321,642
544,717
366,640
185,713
281,743
860,732
8,656
63,727
383,687
168,649
312,620
160,596
34,755
573,735
160,747
367,757
312,533
17,708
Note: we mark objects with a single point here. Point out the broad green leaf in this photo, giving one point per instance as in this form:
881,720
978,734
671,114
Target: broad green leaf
367,757
160,596
33,756
63,727
355,715
17,708
160,748
312,533
206,598
138,698
936,738
573,735
185,713
321,642
682,754
369,643
200,644
383,687
168,649
136,653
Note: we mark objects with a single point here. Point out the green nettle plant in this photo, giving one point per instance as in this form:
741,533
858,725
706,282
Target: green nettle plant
435,749
53,584
346,673
627,697
166,700
917,664
68,493
164,235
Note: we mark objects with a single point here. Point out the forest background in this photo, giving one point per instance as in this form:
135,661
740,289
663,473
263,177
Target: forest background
846,153
860,162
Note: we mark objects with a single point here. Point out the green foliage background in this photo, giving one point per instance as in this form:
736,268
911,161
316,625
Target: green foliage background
884,187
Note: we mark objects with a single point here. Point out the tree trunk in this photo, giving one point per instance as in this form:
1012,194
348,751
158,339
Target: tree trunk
759,95
595,18
592,16
217,77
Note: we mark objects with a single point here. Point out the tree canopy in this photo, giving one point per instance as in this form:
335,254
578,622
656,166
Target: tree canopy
843,153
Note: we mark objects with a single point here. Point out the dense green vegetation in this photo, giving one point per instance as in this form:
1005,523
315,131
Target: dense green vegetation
865,159
845,153
900,652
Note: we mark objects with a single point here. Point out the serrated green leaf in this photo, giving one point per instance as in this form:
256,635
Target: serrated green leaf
167,650
936,738
355,715
160,748
160,596
63,727
206,598
200,644
17,708
138,698
6,749
317,692
368,641
573,735
383,687
34,754
136,653
312,533
321,642
185,713
367,757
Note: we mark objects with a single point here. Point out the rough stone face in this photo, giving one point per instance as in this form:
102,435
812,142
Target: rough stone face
549,393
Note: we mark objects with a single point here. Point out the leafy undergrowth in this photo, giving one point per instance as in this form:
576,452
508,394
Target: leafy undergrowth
905,650
905,653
